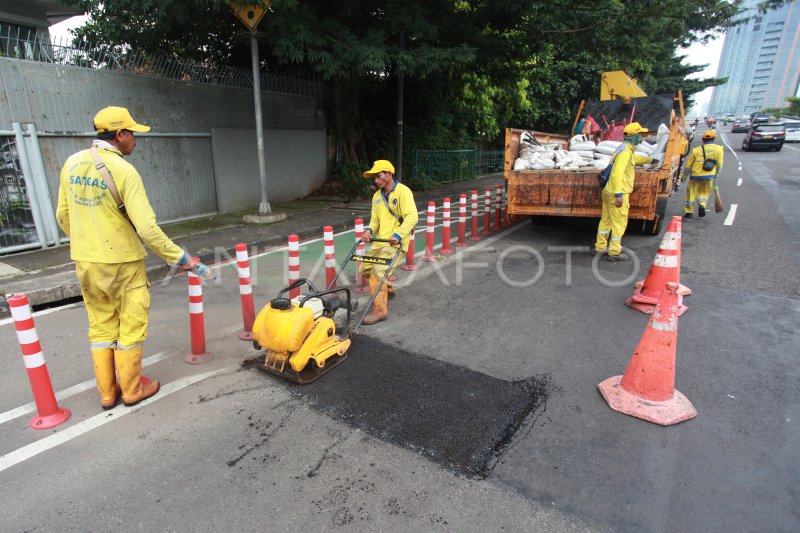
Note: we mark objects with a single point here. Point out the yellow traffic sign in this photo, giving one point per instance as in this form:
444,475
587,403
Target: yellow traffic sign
250,12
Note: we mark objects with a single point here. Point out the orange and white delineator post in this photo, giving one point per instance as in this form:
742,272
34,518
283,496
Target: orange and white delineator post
487,211
665,268
361,282
474,236
445,249
245,292
49,414
197,328
410,259
294,264
462,222
429,235
647,389
330,257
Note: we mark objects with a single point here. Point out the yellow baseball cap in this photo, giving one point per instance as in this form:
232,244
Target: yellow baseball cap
116,118
381,165
634,128
710,134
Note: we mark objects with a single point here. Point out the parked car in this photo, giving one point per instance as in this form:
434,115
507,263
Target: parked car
759,118
768,136
792,130
741,125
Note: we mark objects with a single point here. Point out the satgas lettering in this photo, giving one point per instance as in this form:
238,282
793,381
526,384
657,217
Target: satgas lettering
86,181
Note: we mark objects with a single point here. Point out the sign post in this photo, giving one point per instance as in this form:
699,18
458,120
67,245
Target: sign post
250,13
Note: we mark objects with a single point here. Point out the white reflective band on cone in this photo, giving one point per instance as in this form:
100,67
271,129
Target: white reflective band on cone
243,272
667,325
28,336
669,261
670,241
241,256
294,261
246,289
195,308
33,361
21,313
195,290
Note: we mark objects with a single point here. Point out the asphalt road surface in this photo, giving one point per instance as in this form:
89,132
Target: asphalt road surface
473,408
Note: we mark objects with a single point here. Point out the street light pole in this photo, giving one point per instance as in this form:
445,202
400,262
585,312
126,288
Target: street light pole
263,207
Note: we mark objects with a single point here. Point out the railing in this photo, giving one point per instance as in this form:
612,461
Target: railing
38,47
446,166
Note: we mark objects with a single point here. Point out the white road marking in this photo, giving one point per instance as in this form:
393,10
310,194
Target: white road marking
45,312
72,391
731,215
725,141
35,448
739,182
790,148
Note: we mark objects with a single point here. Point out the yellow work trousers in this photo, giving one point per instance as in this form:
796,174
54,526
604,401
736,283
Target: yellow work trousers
373,270
117,299
613,222
698,190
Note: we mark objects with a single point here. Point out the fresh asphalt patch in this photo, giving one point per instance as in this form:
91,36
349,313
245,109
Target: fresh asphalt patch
452,415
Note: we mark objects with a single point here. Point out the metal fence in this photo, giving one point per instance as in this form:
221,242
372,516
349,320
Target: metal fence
446,166
38,47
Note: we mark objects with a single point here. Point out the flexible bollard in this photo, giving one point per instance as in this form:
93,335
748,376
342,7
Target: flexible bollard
49,414
330,257
294,264
474,234
498,208
487,212
361,282
410,264
245,292
197,327
462,221
445,249
428,255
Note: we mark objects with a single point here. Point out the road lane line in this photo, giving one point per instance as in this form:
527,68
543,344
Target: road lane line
739,183
725,141
790,148
75,389
731,215
35,448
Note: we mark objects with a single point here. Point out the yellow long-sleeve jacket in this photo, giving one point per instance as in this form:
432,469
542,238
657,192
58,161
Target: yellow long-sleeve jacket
623,172
694,163
384,224
97,229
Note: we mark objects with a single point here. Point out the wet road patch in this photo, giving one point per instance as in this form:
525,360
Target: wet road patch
455,416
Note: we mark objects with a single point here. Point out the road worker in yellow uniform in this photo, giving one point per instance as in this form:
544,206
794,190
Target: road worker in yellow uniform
108,253
394,216
614,217
702,166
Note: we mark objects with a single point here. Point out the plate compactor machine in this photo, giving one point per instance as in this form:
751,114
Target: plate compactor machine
299,336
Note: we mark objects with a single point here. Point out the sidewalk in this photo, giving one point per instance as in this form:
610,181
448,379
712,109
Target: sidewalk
47,276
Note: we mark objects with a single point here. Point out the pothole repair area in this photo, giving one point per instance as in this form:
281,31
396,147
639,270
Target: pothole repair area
457,417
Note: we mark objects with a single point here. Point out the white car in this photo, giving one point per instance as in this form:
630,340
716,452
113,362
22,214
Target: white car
792,130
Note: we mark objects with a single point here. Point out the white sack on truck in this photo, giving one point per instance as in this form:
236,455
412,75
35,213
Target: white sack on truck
569,160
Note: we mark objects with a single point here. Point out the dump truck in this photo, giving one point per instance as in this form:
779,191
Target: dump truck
576,193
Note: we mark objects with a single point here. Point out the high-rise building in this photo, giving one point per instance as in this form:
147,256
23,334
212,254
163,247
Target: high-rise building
761,60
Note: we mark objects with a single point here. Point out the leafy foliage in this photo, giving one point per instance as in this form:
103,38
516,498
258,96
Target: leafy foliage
470,68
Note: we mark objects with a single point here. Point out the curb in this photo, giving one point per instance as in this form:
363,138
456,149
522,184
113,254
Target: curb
70,288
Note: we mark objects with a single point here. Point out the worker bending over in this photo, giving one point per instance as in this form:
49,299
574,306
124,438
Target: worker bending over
394,216
703,164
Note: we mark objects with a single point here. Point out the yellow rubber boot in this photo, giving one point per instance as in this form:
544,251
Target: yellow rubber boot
105,376
380,308
135,386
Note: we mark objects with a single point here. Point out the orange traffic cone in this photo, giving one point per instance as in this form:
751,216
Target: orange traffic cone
647,389
666,268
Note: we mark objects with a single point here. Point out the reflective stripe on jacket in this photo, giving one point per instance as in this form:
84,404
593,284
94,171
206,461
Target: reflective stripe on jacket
89,216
